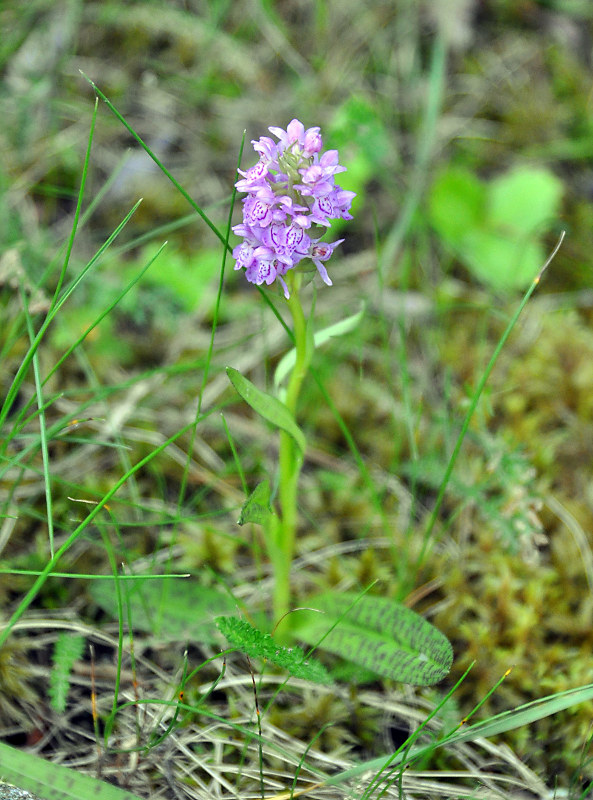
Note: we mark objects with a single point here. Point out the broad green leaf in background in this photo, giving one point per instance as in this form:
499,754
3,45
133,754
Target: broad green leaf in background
267,406
176,283
358,132
524,200
378,634
501,261
340,328
257,644
186,276
52,781
184,611
457,204
495,227
257,507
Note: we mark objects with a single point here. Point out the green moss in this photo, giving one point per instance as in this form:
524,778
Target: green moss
529,609
546,401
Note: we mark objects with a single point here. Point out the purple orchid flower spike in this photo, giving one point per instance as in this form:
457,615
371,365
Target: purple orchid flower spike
291,198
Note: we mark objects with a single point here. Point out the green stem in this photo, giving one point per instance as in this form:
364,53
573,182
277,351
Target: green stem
290,463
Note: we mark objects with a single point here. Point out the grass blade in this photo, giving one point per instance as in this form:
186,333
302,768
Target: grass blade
19,377
52,781
525,714
470,412
52,563
157,161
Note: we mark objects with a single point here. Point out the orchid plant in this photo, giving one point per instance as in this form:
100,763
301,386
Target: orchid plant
291,198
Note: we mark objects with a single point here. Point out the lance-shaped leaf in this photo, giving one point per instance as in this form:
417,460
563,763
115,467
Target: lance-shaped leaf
257,507
379,634
53,781
257,644
340,328
267,406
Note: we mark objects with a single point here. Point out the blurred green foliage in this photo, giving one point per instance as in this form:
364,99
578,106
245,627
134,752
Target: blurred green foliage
495,228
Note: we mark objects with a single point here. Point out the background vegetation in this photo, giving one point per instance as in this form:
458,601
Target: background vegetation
467,129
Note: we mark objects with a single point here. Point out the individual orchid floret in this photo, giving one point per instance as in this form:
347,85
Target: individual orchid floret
294,134
267,148
322,251
289,243
262,270
259,208
291,198
342,200
313,142
255,176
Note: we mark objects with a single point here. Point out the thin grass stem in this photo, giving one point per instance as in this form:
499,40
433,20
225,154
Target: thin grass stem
428,534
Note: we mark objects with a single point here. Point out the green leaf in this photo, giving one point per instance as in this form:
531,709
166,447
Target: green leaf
257,644
500,261
340,328
525,201
257,507
67,650
182,610
186,277
267,406
457,203
357,130
379,634
52,781
494,227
